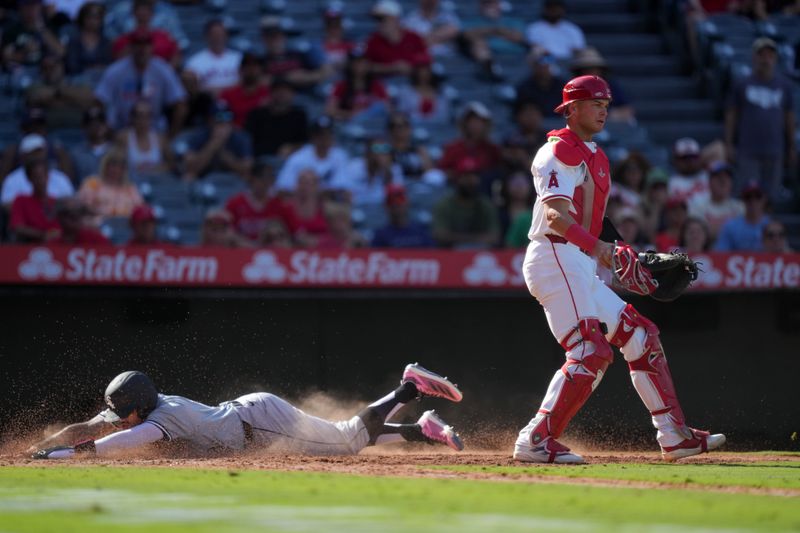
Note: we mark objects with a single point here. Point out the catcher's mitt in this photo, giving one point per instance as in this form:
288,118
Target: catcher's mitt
673,272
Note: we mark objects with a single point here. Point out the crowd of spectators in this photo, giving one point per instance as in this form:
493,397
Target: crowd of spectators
146,107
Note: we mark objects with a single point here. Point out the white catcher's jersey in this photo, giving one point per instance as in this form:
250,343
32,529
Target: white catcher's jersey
203,426
553,179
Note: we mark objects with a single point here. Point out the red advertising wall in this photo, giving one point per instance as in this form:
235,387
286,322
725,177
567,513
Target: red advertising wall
371,268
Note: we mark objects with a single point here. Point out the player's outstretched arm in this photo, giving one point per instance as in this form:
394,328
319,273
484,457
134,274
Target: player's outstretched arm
556,211
75,433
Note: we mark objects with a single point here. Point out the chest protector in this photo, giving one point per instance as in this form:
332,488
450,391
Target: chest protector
590,198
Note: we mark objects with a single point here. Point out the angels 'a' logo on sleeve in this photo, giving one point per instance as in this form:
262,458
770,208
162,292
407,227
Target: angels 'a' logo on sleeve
553,179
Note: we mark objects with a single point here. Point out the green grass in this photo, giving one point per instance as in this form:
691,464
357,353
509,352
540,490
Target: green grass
766,474
65,499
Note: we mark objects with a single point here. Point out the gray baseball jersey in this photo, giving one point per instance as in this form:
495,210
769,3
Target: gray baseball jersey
275,423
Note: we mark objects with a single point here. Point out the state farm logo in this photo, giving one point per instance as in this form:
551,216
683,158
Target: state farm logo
485,270
709,276
40,264
264,267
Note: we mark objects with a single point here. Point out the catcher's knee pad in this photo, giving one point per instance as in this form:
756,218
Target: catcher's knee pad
588,351
634,334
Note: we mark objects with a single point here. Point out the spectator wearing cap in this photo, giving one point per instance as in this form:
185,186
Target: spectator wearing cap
29,38
438,24
321,155
123,18
542,86
743,233
251,209
250,92
110,193
33,215
695,237
218,147
143,226
140,76
422,99
216,66
33,147
690,179
516,207
475,126
148,150
280,127
466,218
720,206
554,33
773,238
675,213
393,49
217,231
413,157
359,95
87,154
164,45
654,198
628,179
760,123
521,144
340,234
589,62
366,178
299,66
88,49
335,44
72,214
62,99
34,122
491,33
400,231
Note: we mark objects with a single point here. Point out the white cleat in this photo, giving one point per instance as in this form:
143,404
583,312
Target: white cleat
701,442
548,451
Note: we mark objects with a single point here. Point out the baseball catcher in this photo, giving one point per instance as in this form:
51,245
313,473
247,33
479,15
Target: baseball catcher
572,178
137,415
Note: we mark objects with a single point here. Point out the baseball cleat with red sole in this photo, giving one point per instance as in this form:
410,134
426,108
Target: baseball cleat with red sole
701,442
430,383
549,451
436,429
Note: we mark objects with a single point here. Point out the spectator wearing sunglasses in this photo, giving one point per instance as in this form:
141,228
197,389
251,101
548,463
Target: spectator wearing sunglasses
773,238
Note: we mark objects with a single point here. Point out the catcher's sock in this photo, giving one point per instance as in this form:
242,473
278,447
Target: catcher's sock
376,413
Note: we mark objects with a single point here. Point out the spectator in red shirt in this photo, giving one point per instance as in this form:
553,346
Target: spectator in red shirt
675,214
305,216
251,209
475,125
33,216
359,93
164,46
218,230
143,226
393,49
250,93
71,214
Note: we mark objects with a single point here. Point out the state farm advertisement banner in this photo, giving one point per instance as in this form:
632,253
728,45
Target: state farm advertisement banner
370,268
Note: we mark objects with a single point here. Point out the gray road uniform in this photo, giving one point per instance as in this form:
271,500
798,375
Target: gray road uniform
258,419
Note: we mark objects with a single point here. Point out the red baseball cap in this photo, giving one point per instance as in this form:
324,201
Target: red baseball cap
142,213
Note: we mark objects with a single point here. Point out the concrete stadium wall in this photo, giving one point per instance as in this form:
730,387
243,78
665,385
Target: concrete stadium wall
734,357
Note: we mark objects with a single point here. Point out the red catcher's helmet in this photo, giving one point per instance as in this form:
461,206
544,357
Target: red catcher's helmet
584,88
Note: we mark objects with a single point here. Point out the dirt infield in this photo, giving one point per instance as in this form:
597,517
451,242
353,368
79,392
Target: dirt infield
413,463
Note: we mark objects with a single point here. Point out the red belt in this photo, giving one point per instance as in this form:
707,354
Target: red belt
558,239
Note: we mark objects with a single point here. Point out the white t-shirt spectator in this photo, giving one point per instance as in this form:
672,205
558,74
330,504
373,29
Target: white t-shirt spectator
560,39
214,71
716,214
17,184
306,157
689,188
355,179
